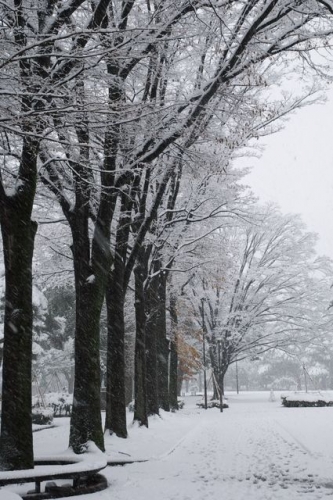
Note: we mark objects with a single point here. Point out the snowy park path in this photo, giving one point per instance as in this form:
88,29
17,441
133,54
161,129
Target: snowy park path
255,450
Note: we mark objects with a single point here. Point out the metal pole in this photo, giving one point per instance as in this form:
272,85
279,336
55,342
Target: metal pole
237,379
204,351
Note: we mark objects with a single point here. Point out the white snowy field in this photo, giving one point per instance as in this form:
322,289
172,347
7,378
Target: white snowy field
254,450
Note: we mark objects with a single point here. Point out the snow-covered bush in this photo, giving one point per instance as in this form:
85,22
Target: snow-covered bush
303,400
213,403
42,416
59,402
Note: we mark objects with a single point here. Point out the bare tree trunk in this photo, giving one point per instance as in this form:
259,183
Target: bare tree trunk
140,394
92,260
18,233
180,379
70,380
115,420
86,424
151,347
162,347
129,387
173,376
173,385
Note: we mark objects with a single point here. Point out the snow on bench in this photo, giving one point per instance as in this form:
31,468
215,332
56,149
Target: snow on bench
8,495
67,466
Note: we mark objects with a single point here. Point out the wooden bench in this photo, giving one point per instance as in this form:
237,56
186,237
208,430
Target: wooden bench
79,469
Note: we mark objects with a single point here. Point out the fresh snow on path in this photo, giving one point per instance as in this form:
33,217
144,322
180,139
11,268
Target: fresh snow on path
255,450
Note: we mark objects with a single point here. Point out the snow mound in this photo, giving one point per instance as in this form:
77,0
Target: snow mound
307,396
8,495
312,399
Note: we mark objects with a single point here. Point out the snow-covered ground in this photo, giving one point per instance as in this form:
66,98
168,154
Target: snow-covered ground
255,450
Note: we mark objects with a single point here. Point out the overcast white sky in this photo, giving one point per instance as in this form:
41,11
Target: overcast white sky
296,170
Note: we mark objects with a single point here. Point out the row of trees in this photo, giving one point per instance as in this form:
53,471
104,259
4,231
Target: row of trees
249,287
267,291
266,285
127,114
300,367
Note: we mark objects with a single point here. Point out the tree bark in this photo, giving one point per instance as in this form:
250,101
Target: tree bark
180,379
140,394
173,385
92,260
18,233
86,424
151,346
115,420
162,347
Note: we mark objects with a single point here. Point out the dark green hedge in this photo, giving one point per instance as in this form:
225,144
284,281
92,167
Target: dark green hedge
305,404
